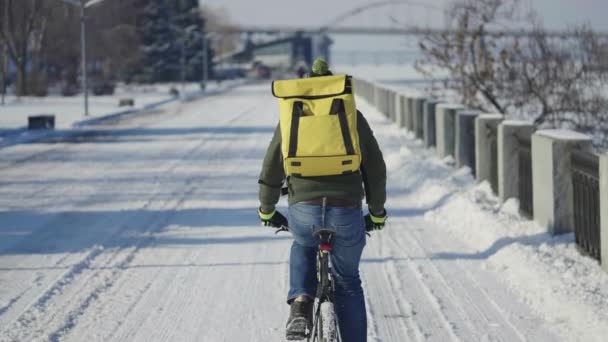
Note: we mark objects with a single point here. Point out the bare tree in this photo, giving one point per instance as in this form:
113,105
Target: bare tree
25,23
115,37
562,81
556,81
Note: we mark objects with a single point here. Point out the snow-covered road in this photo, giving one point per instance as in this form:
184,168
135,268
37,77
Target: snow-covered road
147,231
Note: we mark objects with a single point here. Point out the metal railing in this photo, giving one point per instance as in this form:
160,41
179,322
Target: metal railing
586,200
526,205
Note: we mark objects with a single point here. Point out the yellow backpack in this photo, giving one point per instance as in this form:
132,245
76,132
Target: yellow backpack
318,119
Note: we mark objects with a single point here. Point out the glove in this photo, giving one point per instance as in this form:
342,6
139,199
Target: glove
373,222
274,219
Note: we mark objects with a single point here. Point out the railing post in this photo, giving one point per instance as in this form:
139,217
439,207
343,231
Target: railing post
486,150
429,122
397,101
509,134
552,177
393,106
418,116
385,103
604,210
464,148
409,114
389,104
376,97
402,111
445,117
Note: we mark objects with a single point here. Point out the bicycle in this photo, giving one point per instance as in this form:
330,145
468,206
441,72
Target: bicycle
325,322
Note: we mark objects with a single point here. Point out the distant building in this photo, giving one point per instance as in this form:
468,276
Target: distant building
286,53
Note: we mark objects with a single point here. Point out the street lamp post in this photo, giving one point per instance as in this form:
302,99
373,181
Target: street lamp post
84,4
205,72
83,52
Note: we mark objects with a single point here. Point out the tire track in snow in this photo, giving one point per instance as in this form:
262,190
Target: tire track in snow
108,281
170,285
72,277
467,289
456,298
68,278
390,314
116,271
439,292
176,295
171,279
441,329
515,319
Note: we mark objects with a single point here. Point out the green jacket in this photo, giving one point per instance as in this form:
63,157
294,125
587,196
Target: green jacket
372,176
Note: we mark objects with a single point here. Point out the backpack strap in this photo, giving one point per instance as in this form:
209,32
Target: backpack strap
338,108
297,112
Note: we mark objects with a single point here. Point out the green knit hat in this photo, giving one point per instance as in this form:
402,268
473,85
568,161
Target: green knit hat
320,68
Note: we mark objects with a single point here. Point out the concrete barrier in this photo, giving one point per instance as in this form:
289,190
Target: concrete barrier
409,114
44,121
428,122
465,139
126,102
402,110
510,132
392,96
418,116
486,148
604,210
445,125
378,100
552,177
386,103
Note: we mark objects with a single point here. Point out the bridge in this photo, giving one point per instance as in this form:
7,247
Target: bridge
395,31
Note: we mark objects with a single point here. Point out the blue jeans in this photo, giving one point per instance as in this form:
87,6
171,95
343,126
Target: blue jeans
348,245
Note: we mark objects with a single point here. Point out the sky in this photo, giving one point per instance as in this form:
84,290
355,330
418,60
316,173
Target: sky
555,14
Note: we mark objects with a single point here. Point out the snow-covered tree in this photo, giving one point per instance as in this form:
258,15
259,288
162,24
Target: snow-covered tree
172,40
159,43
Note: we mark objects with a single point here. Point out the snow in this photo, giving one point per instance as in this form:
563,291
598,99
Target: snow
517,123
563,134
469,112
551,276
146,230
450,105
68,111
491,116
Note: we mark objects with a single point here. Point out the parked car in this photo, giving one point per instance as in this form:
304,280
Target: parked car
69,89
102,87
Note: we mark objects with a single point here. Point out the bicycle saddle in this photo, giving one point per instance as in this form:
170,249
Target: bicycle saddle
324,234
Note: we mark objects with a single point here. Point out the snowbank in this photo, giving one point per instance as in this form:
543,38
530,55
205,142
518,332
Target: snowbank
561,285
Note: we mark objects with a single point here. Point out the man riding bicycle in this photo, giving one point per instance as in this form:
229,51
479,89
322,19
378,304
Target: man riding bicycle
300,150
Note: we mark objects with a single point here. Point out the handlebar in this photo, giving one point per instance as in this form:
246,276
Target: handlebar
286,229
